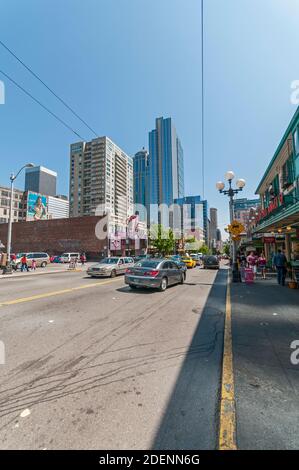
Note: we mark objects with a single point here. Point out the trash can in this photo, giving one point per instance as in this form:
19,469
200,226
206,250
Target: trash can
249,275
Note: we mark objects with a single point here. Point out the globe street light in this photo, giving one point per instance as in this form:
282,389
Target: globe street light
230,192
8,269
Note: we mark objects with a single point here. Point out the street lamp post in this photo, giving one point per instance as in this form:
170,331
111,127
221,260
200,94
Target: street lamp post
8,269
230,192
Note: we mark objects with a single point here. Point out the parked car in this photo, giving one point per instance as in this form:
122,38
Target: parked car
154,273
55,259
211,262
42,259
110,266
67,257
189,262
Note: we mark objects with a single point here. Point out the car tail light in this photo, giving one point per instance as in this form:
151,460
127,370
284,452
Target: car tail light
128,271
151,273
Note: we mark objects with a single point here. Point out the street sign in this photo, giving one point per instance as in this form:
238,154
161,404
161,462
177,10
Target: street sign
236,228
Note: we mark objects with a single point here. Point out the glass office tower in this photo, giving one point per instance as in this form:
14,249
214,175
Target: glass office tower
166,169
141,183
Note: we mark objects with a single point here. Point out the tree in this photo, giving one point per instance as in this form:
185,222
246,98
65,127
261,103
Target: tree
162,239
205,250
226,249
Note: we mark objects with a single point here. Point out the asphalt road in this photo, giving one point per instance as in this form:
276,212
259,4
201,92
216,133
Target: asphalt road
91,364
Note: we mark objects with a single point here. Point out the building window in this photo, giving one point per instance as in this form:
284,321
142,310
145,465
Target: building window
296,141
288,173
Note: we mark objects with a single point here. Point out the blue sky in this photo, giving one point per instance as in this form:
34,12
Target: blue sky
122,63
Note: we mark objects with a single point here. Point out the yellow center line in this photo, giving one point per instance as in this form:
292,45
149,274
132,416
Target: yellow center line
54,293
227,419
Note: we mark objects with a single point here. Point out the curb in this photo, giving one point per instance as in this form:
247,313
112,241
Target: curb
227,419
11,276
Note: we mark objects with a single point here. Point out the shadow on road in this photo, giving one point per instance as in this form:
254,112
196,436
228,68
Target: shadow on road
265,322
191,417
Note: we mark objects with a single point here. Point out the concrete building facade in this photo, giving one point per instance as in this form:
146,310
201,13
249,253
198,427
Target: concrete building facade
19,205
101,179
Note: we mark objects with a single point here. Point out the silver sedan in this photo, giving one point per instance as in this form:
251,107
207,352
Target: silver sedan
110,267
157,274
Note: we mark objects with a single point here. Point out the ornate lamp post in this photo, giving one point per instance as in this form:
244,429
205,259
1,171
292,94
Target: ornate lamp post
8,269
230,192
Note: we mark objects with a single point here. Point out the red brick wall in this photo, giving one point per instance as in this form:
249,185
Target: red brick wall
55,236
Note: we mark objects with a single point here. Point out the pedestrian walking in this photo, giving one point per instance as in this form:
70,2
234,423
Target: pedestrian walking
24,264
252,262
262,265
83,259
280,263
33,265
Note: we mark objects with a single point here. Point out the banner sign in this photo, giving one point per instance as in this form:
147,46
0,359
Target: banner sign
37,206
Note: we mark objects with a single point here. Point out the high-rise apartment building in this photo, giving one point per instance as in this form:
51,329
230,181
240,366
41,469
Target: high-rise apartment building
101,175
141,183
40,180
166,168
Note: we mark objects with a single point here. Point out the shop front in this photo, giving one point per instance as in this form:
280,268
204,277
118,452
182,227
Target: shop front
277,221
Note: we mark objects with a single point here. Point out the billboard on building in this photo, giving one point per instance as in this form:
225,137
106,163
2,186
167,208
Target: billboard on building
37,206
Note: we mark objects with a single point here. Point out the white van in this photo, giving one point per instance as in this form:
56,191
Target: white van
67,257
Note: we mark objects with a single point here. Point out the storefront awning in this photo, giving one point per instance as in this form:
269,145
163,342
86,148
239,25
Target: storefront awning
289,216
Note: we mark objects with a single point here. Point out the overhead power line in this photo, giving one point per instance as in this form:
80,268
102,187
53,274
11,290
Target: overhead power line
48,88
41,104
202,102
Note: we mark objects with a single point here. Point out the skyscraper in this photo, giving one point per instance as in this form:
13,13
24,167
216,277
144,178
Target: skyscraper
101,174
166,168
40,180
213,227
194,217
141,183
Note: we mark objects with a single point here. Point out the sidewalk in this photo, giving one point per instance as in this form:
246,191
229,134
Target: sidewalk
265,321
53,268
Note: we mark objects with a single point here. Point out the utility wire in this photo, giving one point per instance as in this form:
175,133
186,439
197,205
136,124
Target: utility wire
41,104
48,88
202,102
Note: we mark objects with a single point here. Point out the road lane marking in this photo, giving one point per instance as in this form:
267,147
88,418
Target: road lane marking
227,419
54,293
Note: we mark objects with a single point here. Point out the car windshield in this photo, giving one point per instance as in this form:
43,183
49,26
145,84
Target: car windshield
147,264
109,261
20,255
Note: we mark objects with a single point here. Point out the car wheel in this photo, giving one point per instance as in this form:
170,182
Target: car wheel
44,264
163,285
182,279
113,273
132,286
